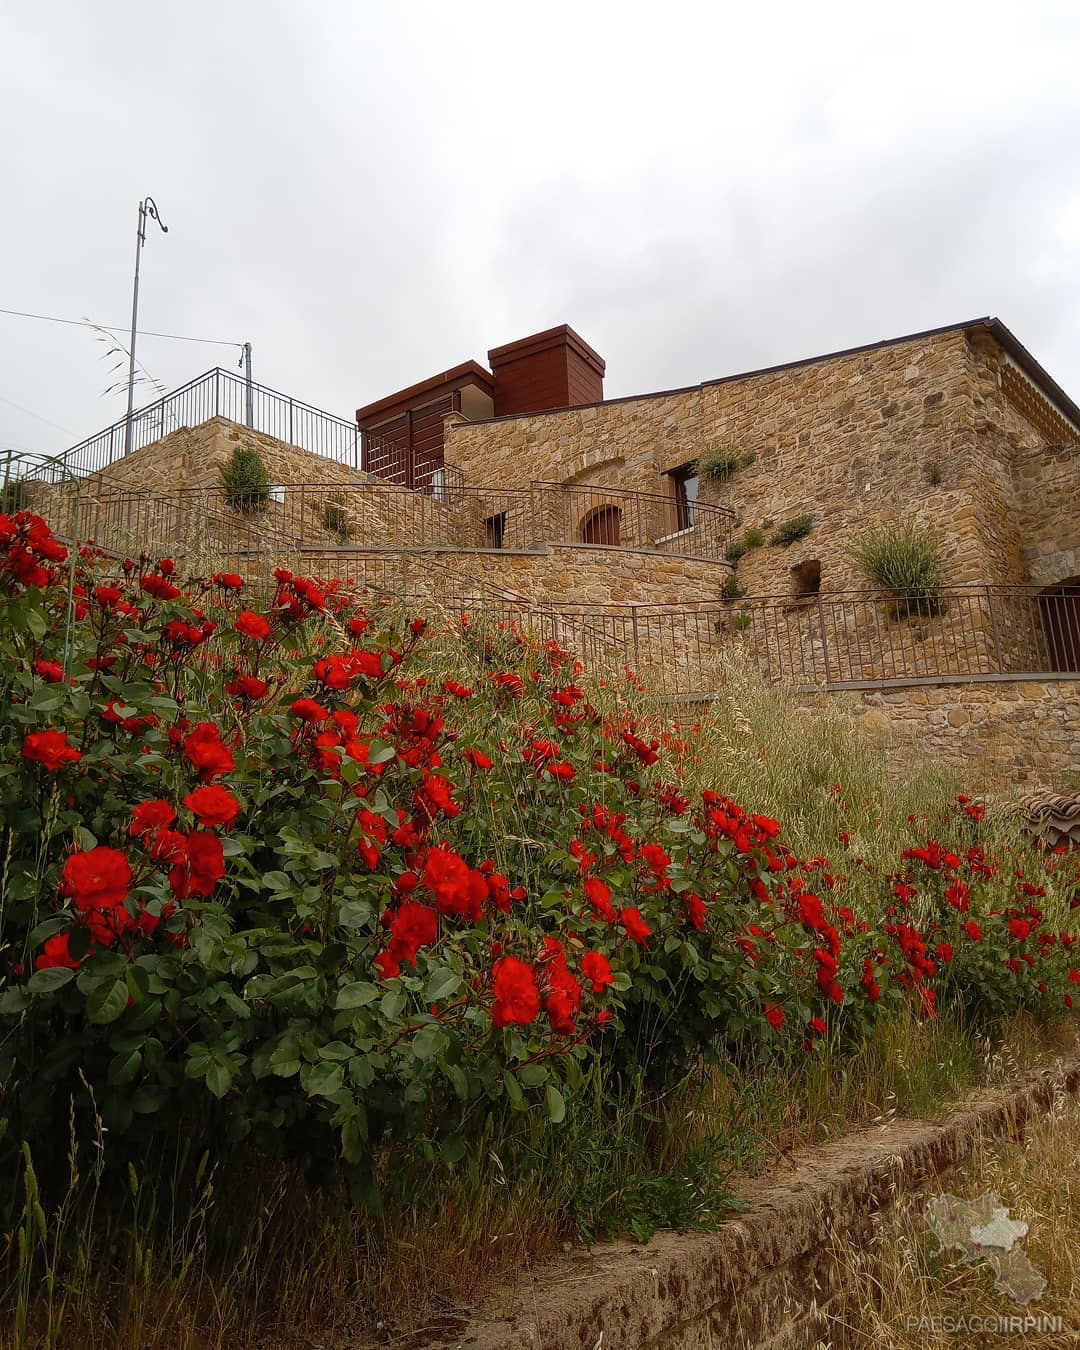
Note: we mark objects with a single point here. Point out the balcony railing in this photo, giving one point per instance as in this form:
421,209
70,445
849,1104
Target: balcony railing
219,393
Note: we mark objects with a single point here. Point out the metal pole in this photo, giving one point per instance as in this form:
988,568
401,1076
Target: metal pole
249,412
146,207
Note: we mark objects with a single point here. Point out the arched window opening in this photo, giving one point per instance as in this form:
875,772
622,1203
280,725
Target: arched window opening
1059,616
602,526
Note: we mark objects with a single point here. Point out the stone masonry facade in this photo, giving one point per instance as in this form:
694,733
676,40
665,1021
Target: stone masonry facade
943,430
957,430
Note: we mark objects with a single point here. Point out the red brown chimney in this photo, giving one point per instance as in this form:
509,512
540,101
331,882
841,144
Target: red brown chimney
554,369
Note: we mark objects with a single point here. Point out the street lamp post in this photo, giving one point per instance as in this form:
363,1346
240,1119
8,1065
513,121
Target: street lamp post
147,207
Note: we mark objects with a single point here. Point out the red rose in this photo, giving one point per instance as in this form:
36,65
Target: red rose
944,951
510,682
458,890
206,750
252,625
436,795
213,805
635,925
159,587
413,927
231,581
1020,929
696,911
367,663
202,867
56,952
656,858
332,672
247,686
52,672
49,748
957,896
478,760
150,816
598,894
774,1015
308,710
98,881
597,970
517,998
973,931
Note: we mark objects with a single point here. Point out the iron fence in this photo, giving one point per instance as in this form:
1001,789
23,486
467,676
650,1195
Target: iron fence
845,640
219,393
358,513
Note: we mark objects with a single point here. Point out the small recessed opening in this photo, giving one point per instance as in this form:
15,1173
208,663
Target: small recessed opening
495,530
806,577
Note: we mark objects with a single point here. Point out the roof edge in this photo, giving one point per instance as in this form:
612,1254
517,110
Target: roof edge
998,330
468,372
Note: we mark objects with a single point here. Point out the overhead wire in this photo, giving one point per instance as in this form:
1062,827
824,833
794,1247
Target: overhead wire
115,328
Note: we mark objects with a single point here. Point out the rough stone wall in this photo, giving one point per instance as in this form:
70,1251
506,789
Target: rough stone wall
617,443
566,574
1029,490
1002,731
921,430
853,441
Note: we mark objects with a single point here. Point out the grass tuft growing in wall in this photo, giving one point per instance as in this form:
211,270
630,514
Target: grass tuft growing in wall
904,559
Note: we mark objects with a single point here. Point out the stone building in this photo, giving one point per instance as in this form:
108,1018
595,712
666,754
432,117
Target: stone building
519,488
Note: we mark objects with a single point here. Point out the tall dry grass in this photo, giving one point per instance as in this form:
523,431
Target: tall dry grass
898,1282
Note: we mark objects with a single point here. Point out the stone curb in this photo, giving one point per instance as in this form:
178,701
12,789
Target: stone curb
761,1279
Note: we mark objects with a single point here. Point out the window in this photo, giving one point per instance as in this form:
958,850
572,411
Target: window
684,482
602,527
495,530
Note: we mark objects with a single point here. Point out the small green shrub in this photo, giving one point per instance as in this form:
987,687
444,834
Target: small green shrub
741,621
246,480
730,588
753,538
336,520
904,559
716,465
746,460
734,551
935,474
798,527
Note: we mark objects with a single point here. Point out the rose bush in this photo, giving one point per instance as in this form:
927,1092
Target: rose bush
314,874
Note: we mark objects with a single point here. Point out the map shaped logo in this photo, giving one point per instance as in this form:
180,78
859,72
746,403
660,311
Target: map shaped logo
983,1231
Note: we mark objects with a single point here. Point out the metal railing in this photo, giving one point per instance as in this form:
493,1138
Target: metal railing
219,393
356,513
834,641
446,513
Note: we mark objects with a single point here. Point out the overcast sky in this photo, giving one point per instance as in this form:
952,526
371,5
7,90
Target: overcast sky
371,192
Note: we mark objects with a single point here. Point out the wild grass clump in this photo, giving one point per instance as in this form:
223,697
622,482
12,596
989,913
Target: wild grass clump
790,531
717,464
905,560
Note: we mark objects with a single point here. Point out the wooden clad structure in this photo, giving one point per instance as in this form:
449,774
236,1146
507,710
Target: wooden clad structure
402,434
553,369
